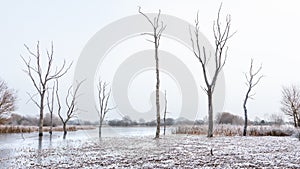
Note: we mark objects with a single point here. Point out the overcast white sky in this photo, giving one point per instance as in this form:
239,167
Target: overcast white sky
267,31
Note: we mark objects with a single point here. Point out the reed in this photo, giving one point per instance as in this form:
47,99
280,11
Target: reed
29,129
233,130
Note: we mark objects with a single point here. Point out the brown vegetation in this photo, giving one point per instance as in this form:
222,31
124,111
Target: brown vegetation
29,129
228,130
7,102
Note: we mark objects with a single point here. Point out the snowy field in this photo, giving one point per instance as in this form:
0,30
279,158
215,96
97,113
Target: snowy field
172,151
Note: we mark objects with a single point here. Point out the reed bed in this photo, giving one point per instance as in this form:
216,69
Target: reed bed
29,129
233,130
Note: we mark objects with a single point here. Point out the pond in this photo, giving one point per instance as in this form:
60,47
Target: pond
14,141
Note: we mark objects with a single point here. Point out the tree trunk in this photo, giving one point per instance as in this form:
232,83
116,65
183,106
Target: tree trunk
100,129
246,119
295,119
165,124
51,123
210,114
157,91
65,129
245,111
41,121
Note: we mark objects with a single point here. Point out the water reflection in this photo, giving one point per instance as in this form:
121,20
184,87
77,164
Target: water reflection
40,143
50,140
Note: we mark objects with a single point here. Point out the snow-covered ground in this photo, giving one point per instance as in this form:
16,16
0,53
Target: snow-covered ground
172,151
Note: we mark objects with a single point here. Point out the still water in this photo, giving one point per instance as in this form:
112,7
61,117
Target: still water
14,141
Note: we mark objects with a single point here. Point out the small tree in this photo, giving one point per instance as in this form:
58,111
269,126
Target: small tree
50,105
71,103
220,56
103,98
158,27
290,103
40,74
251,82
7,101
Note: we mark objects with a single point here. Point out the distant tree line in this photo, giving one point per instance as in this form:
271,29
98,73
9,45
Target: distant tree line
16,119
228,118
127,122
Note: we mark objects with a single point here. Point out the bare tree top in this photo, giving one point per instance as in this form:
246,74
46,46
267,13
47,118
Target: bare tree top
221,36
41,74
157,25
291,99
251,78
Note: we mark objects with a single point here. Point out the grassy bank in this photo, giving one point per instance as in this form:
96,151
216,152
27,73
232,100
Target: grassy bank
29,129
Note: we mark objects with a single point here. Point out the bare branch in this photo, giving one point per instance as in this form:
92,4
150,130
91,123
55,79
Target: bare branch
33,100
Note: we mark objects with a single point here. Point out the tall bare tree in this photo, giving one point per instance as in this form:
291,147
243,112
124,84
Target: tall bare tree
158,27
71,104
251,81
40,74
290,103
103,99
7,101
221,37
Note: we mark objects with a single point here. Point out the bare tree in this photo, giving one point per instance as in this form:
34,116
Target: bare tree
165,112
158,27
7,101
276,119
40,74
70,102
290,103
103,98
220,55
251,82
50,105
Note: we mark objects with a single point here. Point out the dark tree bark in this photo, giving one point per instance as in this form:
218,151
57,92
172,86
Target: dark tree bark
158,28
220,56
65,130
251,82
40,75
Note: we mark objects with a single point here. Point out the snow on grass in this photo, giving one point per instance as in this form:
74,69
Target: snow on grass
172,151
